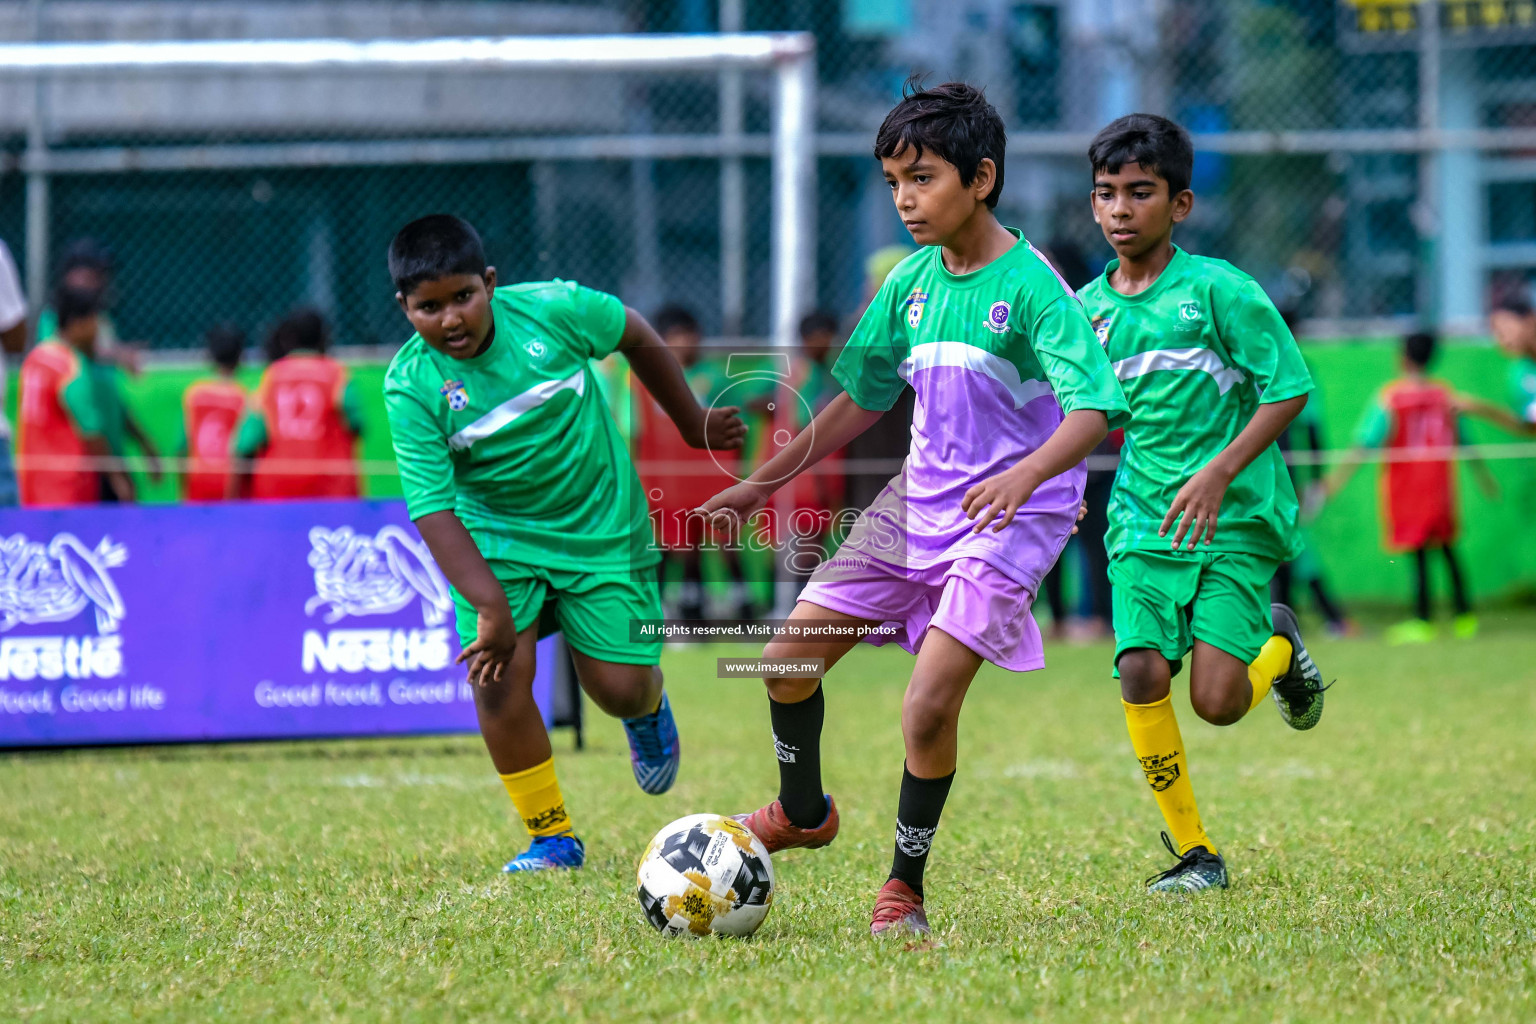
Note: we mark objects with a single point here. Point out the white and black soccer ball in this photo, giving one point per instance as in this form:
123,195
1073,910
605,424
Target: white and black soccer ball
705,874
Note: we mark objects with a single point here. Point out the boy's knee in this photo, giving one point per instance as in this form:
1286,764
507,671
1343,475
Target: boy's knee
494,696
924,719
627,691
787,689
1143,676
1223,708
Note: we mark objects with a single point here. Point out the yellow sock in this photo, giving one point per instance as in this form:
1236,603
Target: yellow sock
536,794
1158,745
1273,660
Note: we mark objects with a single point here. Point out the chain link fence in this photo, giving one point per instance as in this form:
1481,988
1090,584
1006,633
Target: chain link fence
1367,160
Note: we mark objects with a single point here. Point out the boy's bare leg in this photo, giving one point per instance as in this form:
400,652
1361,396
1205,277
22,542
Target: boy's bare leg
930,711
510,721
930,727
803,815
619,689
1219,687
1159,748
633,694
514,733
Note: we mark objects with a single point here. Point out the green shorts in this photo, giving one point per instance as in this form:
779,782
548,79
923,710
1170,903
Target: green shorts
1165,601
593,610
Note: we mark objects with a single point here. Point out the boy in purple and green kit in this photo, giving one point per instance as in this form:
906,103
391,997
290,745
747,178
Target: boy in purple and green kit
1012,392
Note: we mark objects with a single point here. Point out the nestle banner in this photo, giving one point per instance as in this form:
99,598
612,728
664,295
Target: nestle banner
218,622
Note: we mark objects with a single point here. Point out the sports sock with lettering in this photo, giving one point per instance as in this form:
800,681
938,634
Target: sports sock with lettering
1159,747
917,819
536,794
797,745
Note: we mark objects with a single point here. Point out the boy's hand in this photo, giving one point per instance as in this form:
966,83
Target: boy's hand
491,653
719,429
735,505
1003,494
1199,501
1082,513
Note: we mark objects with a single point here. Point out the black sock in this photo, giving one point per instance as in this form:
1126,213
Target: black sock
917,819
797,744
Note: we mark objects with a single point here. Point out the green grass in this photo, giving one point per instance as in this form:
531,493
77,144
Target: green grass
1383,865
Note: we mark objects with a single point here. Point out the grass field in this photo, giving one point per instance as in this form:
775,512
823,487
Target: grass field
1384,866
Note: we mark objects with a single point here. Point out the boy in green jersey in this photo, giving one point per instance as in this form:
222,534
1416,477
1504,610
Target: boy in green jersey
1202,510
1513,323
517,479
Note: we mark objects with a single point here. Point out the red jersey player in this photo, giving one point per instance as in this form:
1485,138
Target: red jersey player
302,424
1415,418
61,424
211,412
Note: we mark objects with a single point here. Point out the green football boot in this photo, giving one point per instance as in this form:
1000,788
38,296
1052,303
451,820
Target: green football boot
1299,692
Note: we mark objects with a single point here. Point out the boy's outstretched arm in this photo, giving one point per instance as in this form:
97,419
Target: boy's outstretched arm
841,421
455,552
1007,492
1497,415
717,429
1199,500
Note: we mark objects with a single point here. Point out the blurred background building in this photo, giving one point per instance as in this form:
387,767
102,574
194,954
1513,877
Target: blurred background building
1373,163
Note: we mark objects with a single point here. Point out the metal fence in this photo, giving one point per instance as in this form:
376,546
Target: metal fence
1370,162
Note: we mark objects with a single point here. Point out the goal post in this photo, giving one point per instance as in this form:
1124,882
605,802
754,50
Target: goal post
28,71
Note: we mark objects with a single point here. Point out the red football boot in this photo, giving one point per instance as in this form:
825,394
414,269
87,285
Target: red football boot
771,825
897,907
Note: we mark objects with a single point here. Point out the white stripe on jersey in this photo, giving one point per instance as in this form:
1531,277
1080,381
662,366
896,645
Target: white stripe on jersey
958,354
1052,267
514,407
1202,359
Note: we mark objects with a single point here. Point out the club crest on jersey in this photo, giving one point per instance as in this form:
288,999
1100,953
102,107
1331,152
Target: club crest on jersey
997,317
1101,330
536,348
915,303
453,390
1189,311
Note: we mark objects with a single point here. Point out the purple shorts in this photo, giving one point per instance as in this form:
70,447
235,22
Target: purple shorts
968,598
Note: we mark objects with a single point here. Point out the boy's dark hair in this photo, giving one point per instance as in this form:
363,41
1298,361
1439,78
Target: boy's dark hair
955,121
675,317
1419,348
226,343
302,329
439,245
86,252
71,304
1516,303
820,320
1156,143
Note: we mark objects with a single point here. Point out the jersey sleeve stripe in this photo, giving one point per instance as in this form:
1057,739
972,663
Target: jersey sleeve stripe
1052,268
968,357
516,406
1201,359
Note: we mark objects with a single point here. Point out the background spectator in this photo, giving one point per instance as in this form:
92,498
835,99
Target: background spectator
13,340
303,422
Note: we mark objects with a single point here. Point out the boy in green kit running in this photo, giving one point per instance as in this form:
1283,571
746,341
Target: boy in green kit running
1203,510
520,485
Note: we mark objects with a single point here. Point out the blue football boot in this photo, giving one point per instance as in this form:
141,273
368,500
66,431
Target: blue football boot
654,748
549,853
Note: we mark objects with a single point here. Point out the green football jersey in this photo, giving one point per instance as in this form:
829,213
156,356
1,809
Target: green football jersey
1197,353
518,440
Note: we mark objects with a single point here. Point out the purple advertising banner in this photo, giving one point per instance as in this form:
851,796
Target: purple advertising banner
144,624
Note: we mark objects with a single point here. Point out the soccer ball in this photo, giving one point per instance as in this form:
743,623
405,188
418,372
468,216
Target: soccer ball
705,874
